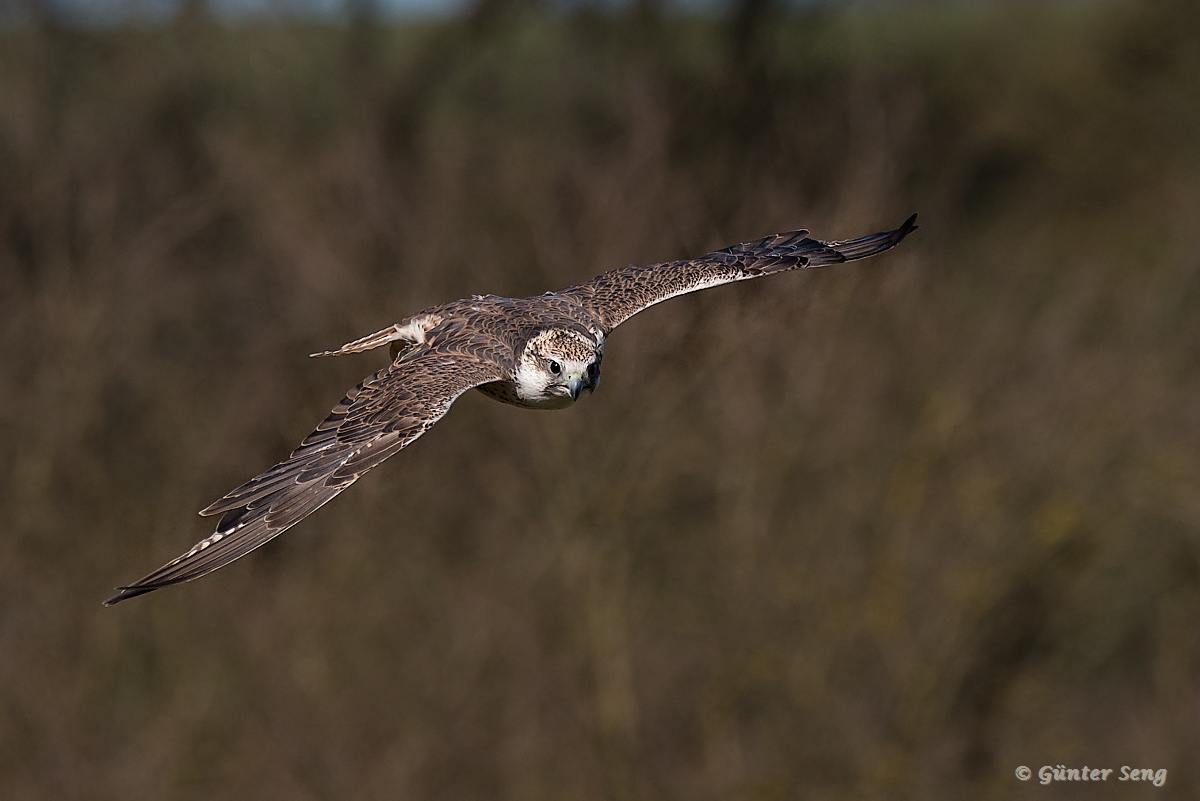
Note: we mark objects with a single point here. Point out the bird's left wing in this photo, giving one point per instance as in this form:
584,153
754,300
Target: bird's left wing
619,294
378,418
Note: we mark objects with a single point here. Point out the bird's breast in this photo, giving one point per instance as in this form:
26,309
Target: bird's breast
506,392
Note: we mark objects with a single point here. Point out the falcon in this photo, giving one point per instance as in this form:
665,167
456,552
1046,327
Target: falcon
542,352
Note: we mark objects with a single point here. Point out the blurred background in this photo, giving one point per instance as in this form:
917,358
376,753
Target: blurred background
885,531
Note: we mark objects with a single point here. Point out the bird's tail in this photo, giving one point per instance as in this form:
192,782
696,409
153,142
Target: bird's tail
405,333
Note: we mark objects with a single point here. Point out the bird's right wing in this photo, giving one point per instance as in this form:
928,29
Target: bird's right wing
377,419
619,294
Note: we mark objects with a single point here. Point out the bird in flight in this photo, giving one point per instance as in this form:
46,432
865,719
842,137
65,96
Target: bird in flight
539,353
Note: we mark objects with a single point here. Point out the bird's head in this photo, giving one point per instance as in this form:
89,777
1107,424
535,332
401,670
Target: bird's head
558,365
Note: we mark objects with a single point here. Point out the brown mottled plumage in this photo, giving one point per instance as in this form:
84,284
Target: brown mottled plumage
539,352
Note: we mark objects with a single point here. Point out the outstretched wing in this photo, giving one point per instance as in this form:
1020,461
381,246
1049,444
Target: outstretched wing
617,295
378,418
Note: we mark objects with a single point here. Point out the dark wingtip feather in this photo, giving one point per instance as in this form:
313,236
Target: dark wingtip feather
865,246
125,593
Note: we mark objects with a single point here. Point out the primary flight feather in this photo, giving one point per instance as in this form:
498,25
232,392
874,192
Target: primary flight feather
540,353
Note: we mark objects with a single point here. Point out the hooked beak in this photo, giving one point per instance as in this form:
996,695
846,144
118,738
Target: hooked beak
575,386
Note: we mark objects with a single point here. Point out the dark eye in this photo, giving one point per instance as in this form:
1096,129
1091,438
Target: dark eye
555,367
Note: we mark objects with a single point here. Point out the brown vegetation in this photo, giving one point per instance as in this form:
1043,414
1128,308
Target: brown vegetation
885,531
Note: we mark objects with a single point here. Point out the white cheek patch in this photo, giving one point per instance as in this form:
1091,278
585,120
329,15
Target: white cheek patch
529,382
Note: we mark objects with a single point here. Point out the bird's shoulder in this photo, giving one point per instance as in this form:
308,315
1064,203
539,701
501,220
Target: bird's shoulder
511,321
